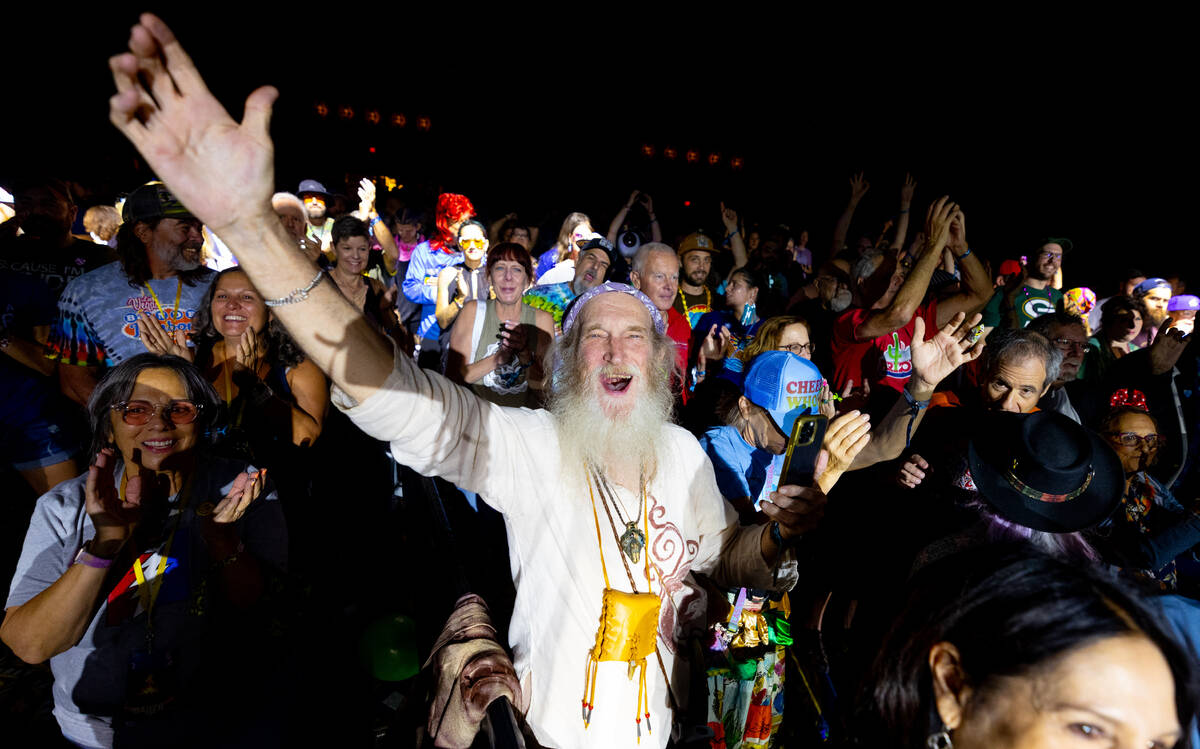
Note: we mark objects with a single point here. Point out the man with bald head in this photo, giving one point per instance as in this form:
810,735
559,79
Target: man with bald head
655,273
603,451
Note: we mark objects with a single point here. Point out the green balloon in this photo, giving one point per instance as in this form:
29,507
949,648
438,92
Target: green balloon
389,649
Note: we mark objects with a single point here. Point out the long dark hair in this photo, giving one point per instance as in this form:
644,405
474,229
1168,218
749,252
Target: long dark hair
1009,611
117,384
281,349
132,254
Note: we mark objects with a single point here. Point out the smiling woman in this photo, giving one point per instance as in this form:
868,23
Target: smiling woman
181,530
275,396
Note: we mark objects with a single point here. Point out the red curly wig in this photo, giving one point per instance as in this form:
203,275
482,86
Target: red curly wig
451,207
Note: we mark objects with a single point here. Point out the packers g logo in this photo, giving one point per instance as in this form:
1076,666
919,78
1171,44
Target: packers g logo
1036,307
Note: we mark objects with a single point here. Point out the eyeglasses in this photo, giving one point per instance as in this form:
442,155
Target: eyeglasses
467,244
1129,439
137,413
799,349
1066,344
1051,255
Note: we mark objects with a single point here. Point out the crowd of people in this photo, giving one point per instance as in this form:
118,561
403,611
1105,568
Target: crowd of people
988,538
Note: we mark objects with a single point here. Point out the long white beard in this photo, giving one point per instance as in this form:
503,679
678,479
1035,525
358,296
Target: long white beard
619,444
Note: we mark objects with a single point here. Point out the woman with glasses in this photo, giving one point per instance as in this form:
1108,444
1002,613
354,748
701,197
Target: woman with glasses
466,281
781,333
276,398
136,578
496,343
1150,528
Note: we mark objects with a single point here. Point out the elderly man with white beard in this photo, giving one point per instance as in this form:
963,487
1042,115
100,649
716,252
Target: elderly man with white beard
601,495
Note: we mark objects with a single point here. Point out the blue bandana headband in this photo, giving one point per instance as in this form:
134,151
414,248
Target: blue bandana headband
609,286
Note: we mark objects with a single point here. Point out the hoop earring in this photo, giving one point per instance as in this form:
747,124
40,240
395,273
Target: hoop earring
939,740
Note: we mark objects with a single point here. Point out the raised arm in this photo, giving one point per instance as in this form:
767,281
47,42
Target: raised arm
858,188
619,220
906,196
733,233
976,281
223,172
383,235
904,304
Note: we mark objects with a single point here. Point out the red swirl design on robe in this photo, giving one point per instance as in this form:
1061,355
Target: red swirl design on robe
672,556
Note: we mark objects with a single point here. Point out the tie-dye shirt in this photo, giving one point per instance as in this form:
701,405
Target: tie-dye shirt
97,315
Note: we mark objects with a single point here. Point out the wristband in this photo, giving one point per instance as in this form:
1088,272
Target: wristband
904,210
968,252
914,408
86,558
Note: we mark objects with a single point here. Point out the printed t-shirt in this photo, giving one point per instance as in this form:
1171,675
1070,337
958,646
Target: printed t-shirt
55,266
1027,305
695,306
553,298
97,314
885,360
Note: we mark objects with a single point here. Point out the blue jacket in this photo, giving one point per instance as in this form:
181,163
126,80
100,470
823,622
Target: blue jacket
420,284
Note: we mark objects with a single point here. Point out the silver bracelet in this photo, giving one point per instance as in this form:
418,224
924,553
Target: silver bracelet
297,295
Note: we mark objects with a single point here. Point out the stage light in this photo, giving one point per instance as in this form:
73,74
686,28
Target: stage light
714,159
322,109
399,120
373,116
424,123
737,162
346,113
670,153
693,156
372,149
648,151
687,204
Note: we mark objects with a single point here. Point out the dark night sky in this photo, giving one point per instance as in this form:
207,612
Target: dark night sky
1053,126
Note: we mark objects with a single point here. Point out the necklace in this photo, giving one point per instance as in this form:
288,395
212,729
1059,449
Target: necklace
707,301
633,540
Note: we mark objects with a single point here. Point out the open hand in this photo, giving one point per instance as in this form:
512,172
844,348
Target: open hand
933,360
158,341
858,187
221,170
366,199
113,518
937,223
906,192
1166,349
846,437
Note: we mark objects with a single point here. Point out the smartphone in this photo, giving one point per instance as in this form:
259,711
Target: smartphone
800,460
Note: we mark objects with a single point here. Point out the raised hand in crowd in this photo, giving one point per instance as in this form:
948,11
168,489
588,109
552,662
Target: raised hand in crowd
716,343
158,341
906,198
733,235
1166,348
224,173
845,438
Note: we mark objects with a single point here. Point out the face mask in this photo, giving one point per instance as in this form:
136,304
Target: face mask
841,300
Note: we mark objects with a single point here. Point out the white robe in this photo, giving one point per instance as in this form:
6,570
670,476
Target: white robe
511,458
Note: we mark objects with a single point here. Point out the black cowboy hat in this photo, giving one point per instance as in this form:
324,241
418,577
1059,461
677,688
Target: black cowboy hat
1044,471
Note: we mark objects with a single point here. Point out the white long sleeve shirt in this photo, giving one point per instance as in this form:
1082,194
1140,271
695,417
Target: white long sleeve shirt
511,458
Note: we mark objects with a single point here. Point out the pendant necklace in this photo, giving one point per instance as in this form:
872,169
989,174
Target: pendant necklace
633,540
